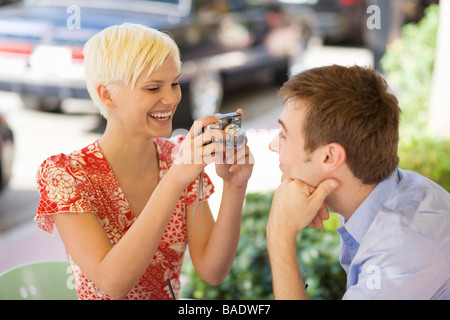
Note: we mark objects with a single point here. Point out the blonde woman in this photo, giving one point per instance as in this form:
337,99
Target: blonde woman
123,205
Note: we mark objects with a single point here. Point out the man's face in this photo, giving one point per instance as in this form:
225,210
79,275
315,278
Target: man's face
295,162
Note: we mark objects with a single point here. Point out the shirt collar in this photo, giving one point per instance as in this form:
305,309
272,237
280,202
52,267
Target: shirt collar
362,218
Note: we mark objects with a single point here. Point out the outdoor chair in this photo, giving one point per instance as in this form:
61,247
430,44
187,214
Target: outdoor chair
47,280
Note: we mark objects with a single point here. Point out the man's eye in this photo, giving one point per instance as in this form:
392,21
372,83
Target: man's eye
175,84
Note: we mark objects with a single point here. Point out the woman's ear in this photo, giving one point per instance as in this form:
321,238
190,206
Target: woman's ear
334,156
105,95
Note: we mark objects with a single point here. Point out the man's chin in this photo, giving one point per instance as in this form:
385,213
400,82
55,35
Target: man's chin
285,176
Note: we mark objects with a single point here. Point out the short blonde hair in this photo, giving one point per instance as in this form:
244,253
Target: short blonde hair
119,54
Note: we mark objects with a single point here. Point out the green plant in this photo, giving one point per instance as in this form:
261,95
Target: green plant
429,156
250,276
408,64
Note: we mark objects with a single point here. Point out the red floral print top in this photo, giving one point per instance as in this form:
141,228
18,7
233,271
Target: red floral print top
83,181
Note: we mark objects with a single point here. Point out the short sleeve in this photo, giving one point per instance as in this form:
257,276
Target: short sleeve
63,187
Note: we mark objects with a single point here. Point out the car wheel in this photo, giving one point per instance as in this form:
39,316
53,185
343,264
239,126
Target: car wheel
206,92
52,104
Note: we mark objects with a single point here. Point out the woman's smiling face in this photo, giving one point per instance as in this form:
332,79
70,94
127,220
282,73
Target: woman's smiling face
149,107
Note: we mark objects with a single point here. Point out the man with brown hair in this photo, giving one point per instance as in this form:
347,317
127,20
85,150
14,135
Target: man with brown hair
338,148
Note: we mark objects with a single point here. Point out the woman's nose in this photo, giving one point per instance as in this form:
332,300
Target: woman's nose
171,97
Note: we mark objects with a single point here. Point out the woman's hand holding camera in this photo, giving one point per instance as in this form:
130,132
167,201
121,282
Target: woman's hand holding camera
198,149
236,166
202,147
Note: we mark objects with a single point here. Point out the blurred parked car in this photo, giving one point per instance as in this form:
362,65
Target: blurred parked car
345,21
3,2
335,21
223,44
6,152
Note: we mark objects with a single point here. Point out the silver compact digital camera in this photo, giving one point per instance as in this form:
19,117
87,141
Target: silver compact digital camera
231,124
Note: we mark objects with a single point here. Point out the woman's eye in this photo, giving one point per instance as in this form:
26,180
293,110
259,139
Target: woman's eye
175,84
152,89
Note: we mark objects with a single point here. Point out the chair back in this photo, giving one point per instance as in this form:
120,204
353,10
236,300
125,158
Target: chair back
47,280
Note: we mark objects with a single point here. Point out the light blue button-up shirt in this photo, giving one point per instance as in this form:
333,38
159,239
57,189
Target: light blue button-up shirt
396,245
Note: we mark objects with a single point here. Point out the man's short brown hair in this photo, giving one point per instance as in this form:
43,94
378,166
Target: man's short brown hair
350,106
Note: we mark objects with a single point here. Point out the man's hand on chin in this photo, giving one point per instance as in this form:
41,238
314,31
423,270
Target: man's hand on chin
296,204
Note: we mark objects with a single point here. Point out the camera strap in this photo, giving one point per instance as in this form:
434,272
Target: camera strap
200,191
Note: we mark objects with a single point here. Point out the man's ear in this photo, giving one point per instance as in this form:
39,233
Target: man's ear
334,156
105,95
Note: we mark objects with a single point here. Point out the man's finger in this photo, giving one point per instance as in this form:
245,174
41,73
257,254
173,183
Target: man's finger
322,191
323,212
318,223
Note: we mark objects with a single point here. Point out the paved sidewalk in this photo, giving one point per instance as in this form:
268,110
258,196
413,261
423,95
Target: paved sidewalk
26,243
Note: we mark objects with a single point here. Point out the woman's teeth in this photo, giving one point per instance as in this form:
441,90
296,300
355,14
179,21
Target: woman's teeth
161,116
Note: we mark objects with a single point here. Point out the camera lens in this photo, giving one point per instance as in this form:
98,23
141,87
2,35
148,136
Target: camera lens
235,137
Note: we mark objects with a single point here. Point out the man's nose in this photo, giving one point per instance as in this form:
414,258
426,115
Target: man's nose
274,144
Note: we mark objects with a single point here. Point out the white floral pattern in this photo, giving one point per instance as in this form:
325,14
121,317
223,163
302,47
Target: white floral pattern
84,182
63,187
